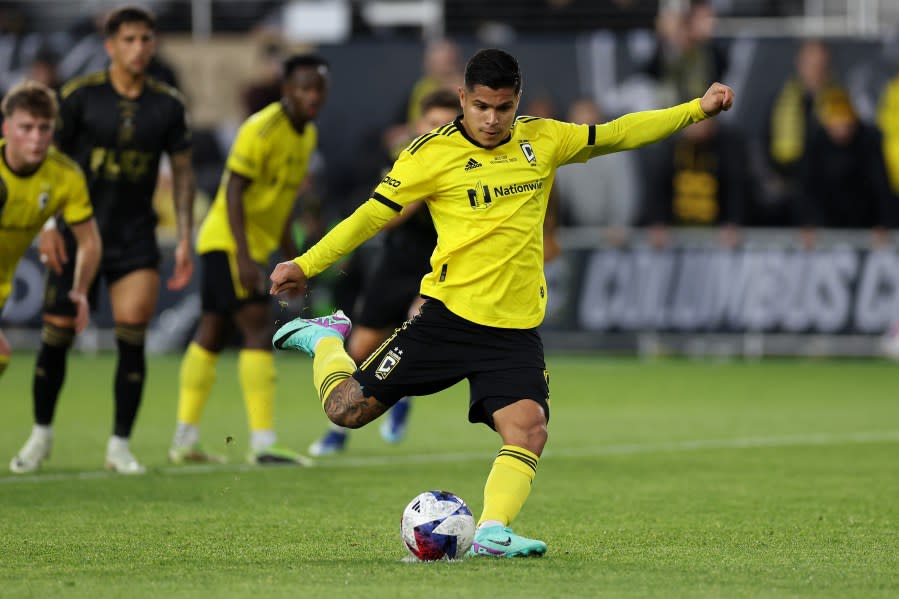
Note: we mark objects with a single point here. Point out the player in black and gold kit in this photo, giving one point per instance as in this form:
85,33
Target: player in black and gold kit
487,178
250,219
36,182
117,124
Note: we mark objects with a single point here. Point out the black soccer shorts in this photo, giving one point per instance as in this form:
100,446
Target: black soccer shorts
219,284
437,349
118,260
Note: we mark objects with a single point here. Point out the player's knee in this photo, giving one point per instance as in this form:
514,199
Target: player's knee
258,339
57,335
130,341
131,334
346,406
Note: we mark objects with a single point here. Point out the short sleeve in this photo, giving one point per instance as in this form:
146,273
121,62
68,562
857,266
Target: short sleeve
76,207
67,121
575,142
178,137
408,180
247,153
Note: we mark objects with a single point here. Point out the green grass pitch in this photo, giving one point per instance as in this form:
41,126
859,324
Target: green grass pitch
669,478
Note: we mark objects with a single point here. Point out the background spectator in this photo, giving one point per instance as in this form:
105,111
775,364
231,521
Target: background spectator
699,178
602,192
686,59
843,177
888,121
789,121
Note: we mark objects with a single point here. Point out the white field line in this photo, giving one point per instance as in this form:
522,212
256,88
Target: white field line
797,440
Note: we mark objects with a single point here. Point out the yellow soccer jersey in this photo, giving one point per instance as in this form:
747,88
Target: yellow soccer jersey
27,202
488,207
275,157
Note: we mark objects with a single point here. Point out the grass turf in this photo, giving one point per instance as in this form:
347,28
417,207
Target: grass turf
660,479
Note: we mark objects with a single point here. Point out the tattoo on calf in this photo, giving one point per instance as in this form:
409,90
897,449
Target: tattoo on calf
347,406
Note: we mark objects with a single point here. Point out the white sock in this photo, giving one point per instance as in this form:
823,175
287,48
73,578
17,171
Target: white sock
117,443
263,439
41,431
186,435
489,523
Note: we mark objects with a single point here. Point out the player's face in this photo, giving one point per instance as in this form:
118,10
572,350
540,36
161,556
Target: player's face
28,138
433,118
488,113
132,47
305,91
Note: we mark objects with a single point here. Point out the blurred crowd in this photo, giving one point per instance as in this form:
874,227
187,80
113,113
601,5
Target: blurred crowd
817,161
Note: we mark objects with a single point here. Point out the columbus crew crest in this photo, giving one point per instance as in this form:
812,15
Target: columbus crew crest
388,363
528,152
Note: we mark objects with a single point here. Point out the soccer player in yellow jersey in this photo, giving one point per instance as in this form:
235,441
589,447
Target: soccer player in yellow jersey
248,220
487,178
36,182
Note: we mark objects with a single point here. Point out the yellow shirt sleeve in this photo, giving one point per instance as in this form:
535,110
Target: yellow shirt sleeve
639,129
246,156
361,225
77,207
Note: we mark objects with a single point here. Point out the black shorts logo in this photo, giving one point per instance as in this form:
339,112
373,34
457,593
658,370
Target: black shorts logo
388,363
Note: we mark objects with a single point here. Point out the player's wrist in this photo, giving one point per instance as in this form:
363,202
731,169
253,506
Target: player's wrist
50,224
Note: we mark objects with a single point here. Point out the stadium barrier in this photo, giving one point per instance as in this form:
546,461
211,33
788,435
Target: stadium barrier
767,296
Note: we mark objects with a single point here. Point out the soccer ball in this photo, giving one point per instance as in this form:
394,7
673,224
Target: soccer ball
437,525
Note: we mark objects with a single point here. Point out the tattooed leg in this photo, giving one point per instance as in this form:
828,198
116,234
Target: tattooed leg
347,406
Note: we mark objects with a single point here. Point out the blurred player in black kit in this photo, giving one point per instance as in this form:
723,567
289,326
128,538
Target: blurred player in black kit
116,124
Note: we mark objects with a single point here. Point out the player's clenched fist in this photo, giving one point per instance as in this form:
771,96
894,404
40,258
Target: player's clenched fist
717,98
288,279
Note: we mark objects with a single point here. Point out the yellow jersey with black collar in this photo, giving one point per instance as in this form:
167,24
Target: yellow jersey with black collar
275,158
488,207
27,201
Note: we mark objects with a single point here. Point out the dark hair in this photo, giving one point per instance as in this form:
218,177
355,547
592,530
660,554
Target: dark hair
34,98
296,61
442,98
493,68
127,14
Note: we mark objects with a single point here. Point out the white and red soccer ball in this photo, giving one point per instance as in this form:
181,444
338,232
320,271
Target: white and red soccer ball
437,525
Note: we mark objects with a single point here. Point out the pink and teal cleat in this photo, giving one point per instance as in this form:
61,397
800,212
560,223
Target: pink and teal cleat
303,334
500,541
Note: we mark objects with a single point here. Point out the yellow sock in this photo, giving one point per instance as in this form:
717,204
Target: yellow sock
197,377
256,369
4,362
332,366
508,484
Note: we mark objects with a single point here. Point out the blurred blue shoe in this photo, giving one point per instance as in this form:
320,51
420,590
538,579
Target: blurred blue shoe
334,441
393,429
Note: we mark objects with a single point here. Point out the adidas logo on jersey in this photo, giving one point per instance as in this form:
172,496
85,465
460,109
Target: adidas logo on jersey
472,163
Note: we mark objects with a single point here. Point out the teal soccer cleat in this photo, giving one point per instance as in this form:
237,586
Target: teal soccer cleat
303,334
500,541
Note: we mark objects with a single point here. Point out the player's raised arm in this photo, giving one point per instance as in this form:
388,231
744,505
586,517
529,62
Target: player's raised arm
638,129
360,226
717,98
